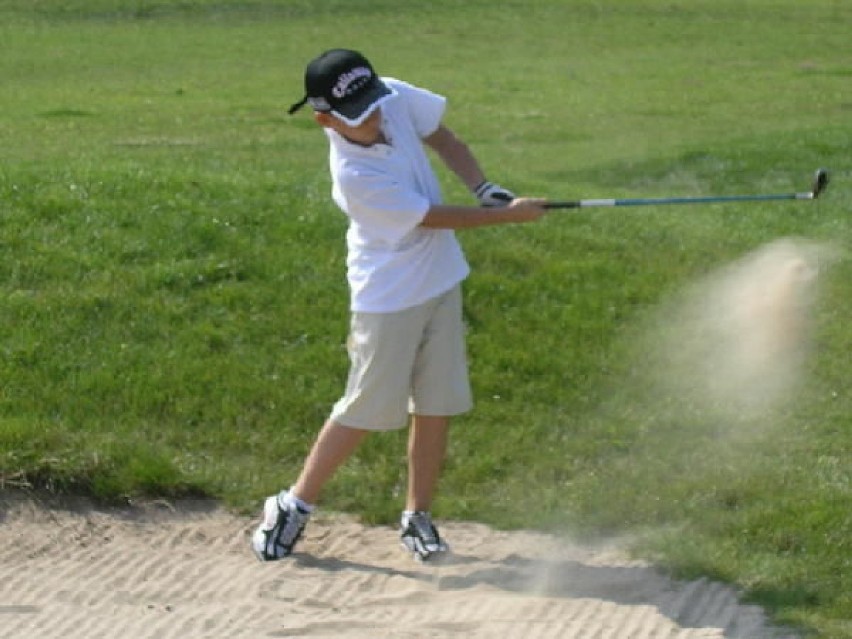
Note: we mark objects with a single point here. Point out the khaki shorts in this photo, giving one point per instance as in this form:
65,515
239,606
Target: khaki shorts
409,362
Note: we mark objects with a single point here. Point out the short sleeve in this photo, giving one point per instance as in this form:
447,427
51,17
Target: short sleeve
425,108
383,209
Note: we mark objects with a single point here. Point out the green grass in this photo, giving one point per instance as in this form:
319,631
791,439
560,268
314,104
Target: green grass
171,265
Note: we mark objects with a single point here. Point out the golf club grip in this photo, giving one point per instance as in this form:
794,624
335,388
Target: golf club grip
562,205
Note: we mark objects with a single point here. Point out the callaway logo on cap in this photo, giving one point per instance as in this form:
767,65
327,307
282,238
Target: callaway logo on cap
343,82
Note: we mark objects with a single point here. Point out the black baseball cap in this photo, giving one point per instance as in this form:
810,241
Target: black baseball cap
343,82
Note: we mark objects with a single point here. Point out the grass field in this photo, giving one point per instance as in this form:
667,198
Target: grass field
173,296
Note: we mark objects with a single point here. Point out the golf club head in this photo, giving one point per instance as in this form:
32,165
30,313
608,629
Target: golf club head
820,182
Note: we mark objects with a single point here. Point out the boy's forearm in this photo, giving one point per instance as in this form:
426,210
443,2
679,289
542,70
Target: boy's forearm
462,162
448,216
458,157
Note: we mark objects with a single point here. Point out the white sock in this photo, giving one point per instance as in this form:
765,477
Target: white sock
301,505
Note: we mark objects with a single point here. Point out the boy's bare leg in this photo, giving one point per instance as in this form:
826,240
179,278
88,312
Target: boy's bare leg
427,445
334,444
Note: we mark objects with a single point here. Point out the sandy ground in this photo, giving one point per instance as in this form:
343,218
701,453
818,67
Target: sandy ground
160,571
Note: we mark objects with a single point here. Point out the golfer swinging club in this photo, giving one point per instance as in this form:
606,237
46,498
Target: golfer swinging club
404,268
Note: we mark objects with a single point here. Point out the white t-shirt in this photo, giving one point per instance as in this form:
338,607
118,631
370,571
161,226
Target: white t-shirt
386,189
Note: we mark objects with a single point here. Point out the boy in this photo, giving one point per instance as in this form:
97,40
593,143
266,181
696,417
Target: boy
404,268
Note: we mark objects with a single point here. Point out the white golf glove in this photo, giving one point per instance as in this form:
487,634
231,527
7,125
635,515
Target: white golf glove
490,194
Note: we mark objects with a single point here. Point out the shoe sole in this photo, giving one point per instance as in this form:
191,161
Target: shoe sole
261,553
268,505
261,557
425,555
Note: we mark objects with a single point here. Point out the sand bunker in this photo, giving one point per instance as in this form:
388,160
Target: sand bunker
162,571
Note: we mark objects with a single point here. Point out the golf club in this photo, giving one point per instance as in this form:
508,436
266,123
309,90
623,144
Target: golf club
819,185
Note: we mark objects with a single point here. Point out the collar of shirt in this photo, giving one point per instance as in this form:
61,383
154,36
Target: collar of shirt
379,149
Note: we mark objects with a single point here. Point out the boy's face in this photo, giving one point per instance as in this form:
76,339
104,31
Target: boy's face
368,133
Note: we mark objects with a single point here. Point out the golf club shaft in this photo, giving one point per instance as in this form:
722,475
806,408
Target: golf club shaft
654,201
819,184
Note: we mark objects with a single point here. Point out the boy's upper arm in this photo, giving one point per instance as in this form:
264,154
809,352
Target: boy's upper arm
441,140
